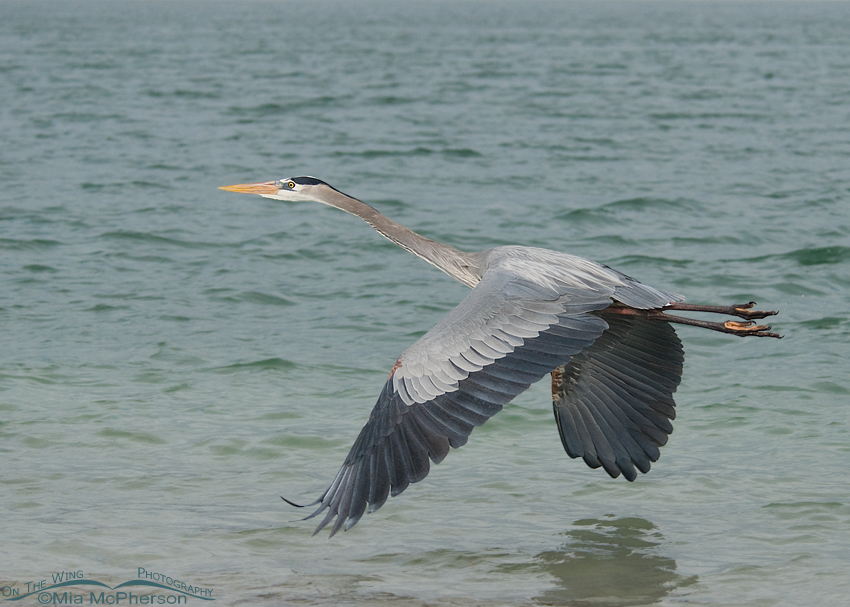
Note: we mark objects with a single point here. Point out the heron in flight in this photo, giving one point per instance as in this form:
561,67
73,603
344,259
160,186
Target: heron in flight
605,338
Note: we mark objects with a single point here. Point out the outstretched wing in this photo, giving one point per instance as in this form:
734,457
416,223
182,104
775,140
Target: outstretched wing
614,401
505,335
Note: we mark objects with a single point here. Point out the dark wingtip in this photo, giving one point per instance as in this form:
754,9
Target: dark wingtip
309,516
328,518
293,503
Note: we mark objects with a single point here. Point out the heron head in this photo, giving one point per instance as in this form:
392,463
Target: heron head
291,188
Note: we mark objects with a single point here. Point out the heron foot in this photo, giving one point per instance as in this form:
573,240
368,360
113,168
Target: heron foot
741,329
749,328
746,311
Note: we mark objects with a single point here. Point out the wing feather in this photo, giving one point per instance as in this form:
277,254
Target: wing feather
404,437
614,403
454,429
379,487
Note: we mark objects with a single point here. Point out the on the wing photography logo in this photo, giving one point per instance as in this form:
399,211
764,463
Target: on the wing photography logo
67,588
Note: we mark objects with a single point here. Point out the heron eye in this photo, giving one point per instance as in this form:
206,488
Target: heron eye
291,185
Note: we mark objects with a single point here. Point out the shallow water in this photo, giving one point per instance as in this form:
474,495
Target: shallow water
175,357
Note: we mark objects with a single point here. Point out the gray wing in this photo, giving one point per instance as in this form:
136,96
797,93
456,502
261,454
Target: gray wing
505,335
614,401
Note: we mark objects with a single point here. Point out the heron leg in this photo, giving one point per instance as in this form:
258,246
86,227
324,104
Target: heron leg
740,310
742,329
557,382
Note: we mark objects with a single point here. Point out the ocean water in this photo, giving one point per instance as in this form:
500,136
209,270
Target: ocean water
173,358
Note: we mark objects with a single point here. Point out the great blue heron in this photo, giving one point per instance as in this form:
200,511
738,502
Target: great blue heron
605,338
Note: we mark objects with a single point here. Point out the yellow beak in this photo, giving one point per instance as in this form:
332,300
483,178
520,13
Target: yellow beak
267,187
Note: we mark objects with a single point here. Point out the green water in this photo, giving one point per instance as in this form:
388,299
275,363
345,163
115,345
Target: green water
175,357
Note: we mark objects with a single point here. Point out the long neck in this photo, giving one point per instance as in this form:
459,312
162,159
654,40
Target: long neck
457,264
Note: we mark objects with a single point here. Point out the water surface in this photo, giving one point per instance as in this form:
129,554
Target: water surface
175,357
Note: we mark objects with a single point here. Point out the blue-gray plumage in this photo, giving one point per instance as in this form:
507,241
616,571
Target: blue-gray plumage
604,337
